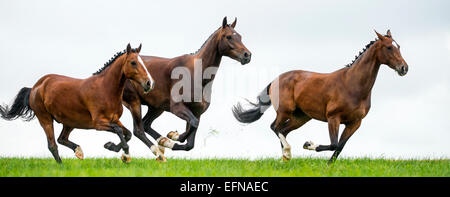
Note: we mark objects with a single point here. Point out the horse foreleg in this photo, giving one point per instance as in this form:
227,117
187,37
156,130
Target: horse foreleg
348,132
151,115
64,140
174,135
333,128
190,140
145,125
127,136
192,121
116,128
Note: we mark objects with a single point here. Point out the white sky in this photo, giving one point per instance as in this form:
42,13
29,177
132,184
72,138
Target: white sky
409,115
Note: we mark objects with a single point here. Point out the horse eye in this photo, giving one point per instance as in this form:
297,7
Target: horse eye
389,47
133,63
229,37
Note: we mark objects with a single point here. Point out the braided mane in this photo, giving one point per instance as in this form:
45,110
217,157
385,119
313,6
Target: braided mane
107,64
361,52
364,50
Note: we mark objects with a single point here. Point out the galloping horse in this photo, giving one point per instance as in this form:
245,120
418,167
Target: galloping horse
92,103
340,97
225,41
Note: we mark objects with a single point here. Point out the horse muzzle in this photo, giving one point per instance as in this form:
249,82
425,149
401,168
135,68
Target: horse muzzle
402,70
245,58
148,86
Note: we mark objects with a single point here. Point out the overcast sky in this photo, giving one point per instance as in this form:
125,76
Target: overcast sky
408,118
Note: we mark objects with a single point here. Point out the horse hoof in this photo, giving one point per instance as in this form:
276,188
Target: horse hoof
287,154
126,158
285,159
109,145
158,153
165,142
161,158
79,153
309,145
162,149
173,135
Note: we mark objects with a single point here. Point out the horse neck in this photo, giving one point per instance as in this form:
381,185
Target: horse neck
362,74
209,53
114,78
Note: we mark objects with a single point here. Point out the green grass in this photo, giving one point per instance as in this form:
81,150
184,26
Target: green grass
298,167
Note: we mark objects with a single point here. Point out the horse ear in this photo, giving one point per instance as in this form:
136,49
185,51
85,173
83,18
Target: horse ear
139,48
389,33
381,37
224,22
128,48
234,23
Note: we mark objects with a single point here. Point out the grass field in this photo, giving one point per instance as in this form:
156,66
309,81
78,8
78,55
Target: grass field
298,167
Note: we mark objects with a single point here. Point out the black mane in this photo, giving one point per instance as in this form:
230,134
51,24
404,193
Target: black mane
364,50
107,64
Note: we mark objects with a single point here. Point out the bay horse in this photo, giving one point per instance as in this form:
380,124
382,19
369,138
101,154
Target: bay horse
91,103
225,41
340,97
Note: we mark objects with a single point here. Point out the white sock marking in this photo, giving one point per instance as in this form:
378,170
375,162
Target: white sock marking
286,146
168,143
312,146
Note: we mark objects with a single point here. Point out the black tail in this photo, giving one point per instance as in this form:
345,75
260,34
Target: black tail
255,112
20,107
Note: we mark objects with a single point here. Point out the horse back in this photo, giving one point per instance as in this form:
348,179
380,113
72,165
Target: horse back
60,97
308,91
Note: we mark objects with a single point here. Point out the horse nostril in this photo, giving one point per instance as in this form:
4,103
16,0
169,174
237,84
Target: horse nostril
148,84
246,54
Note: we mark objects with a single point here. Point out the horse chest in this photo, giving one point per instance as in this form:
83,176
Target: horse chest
107,110
198,107
352,112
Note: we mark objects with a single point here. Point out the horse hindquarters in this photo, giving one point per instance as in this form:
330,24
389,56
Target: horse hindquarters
45,120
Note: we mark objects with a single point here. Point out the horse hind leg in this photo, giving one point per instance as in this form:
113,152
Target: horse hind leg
64,140
46,122
284,124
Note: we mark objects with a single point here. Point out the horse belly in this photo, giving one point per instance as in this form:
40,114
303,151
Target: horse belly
313,107
75,120
63,103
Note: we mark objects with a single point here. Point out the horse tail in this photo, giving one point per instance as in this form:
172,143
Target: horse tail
257,109
20,107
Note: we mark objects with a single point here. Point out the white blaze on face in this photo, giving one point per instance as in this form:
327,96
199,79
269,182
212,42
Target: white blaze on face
394,43
148,73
